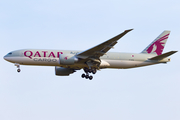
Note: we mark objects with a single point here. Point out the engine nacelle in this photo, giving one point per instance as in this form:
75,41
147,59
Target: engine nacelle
67,59
60,71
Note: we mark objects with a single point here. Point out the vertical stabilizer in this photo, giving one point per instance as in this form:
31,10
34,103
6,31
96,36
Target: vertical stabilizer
157,46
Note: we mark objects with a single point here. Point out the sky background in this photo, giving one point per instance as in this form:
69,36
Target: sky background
146,93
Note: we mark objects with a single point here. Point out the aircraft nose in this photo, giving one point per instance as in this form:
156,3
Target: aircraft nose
5,57
9,57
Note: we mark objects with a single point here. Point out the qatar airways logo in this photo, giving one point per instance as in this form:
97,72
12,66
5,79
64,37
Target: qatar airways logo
158,46
30,54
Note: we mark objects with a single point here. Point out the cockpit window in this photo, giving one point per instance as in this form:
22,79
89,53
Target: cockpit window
10,53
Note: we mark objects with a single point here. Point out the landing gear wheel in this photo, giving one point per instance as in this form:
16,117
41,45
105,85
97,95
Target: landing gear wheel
18,66
94,71
86,70
90,77
90,70
18,70
87,76
83,75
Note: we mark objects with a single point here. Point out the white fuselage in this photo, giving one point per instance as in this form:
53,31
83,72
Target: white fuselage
51,58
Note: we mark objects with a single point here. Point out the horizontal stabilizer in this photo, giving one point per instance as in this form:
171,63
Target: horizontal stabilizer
162,56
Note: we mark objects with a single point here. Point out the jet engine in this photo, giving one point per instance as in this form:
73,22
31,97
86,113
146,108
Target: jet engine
67,59
60,71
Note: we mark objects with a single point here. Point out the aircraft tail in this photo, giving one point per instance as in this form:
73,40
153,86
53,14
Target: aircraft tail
157,46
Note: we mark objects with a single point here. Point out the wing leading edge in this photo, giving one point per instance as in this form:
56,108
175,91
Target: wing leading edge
102,48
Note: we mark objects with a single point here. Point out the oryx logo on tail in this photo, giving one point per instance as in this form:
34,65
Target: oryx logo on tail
157,46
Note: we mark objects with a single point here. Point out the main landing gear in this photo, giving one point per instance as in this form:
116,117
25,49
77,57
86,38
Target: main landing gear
18,66
87,76
87,71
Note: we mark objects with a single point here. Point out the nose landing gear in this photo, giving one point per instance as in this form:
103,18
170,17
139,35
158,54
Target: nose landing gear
87,71
18,70
18,66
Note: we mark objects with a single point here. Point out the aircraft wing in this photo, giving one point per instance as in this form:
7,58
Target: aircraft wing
102,48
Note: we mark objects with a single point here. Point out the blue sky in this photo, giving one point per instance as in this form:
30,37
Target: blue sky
135,94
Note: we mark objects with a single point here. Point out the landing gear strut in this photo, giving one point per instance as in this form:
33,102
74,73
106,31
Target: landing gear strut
18,66
87,71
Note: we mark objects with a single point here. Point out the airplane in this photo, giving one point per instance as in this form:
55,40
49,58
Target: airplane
67,62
